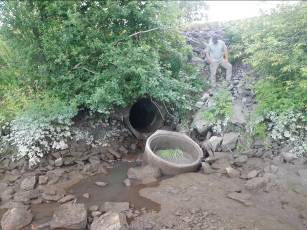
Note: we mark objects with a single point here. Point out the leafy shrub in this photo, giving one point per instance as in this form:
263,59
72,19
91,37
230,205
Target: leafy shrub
275,46
219,113
44,125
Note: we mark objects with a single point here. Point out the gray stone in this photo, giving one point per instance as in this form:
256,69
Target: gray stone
252,174
69,216
241,160
66,198
302,173
110,221
288,157
42,179
229,141
93,208
199,123
232,173
26,196
86,195
256,183
215,143
16,218
206,168
93,169
101,183
95,213
242,198
28,183
58,162
52,197
146,174
115,206
114,153
7,194
238,117
127,182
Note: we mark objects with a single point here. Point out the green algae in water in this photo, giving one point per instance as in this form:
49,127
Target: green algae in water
171,153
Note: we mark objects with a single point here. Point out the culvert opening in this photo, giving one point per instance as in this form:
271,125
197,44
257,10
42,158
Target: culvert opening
145,116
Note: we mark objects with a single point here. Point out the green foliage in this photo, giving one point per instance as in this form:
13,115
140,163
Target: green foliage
222,106
275,46
96,53
170,153
220,111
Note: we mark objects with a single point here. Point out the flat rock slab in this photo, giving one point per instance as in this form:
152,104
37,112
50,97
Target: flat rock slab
230,141
16,218
69,216
110,221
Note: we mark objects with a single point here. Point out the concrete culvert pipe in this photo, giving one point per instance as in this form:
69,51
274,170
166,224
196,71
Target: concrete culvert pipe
188,159
144,116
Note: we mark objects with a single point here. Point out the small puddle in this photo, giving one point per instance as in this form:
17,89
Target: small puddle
115,191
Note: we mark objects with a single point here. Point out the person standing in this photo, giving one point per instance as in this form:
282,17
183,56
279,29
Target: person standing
217,54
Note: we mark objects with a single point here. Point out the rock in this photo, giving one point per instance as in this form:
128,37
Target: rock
238,117
115,206
95,213
7,194
229,141
146,174
221,165
206,168
101,183
256,183
114,153
123,150
199,122
288,157
16,218
239,161
93,208
69,216
28,183
93,169
42,180
241,198
127,182
3,186
11,177
86,195
54,197
58,162
110,221
302,173
252,174
215,143
133,147
232,173
26,196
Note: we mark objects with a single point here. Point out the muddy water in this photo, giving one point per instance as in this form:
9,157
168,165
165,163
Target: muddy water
115,191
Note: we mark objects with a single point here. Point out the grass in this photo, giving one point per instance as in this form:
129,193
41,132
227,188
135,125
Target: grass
170,153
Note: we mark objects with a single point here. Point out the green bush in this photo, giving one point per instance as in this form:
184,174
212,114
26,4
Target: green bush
219,113
87,51
275,46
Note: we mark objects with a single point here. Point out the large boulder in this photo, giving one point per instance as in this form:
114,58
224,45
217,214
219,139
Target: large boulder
229,141
16,218
69,216
110,221
146,174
